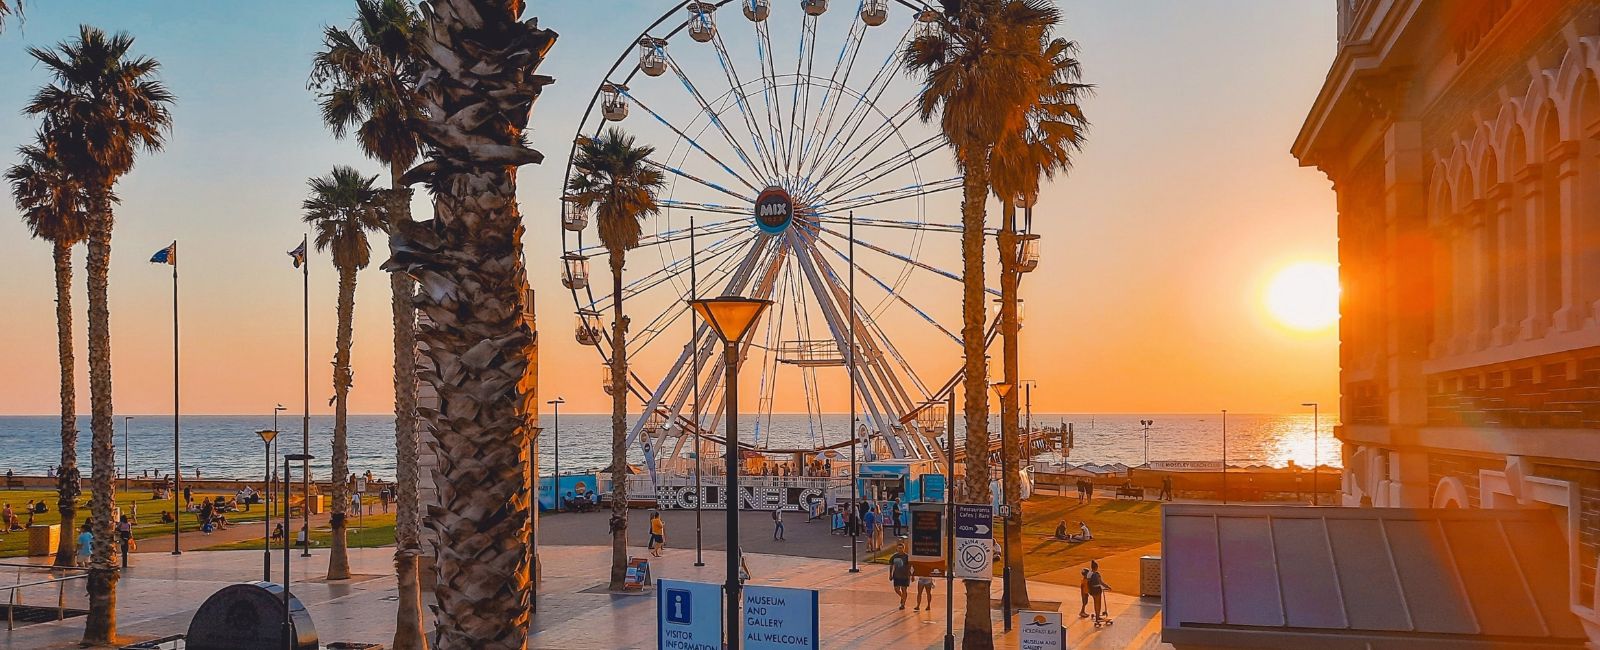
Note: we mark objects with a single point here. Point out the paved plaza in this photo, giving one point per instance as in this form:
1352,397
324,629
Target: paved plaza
159,594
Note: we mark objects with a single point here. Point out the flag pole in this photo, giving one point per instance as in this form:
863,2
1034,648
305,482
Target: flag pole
305,418
177,468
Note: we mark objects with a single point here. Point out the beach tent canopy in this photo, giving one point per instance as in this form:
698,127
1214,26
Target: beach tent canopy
1369,578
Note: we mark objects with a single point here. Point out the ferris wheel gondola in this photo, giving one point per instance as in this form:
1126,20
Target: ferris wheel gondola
786,172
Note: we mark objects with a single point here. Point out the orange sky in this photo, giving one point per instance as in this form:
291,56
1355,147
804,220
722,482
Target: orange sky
1158,247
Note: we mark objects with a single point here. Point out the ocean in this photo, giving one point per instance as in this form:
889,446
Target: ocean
226,446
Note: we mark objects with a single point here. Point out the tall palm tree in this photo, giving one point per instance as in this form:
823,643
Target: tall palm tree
1053,132
366,80
103,107
9,7
55,209
614,181
343,207
978,69
479,72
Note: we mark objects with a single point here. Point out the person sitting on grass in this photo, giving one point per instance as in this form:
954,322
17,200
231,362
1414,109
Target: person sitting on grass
1061,531
1083,532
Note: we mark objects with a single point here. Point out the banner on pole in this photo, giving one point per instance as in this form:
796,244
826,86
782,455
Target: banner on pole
974,552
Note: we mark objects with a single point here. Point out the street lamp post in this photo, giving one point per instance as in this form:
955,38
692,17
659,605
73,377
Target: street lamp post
267,435
305,459
731,318
1224,456
1002,389
949,521
557,402
1316,461
1146,424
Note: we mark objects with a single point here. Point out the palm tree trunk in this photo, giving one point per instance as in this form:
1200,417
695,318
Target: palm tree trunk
339,553
100,627
67,479
1009,405
481,59
619,426
977,629
408,633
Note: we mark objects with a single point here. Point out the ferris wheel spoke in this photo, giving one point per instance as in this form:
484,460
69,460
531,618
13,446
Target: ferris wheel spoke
713,117
904,258
712,228
896,194
697,147
654,278
729,70
704,207
842,164
892,292
841,219
766,57
860,99
868,180
845,178
803,61
866,104
683,174
833,92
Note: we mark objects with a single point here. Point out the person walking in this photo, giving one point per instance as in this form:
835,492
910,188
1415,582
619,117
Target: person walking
924,588
1166,488
900,572
85,545
895,511
658,534
871,520
125,536
1083,594
777,525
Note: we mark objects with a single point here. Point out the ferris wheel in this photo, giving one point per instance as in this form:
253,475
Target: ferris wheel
789,135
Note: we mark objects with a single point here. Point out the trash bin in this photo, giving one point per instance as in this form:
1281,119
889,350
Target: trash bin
319,504
42,539
1150,576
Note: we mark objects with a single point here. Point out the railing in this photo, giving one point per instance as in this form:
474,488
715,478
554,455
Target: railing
12,599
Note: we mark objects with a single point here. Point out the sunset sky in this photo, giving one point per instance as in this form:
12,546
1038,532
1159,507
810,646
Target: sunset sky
1160,248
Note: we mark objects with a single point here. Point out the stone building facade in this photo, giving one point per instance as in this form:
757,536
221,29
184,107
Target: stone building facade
1462,138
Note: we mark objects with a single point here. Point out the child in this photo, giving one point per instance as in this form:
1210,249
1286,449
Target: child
85,545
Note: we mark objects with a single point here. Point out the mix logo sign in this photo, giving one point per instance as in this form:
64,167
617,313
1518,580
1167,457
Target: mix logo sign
793,499
774,210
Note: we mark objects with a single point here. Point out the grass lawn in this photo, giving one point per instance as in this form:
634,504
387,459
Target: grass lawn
147,524
1117,526
378,532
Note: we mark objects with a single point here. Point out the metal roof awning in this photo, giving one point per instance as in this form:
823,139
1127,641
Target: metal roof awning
1364,578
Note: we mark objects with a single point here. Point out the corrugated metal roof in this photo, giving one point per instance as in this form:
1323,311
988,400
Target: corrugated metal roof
1262,576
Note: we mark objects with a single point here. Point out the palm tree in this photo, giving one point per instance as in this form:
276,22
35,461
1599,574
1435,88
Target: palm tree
367,83
103,107
480,59
9,7
1054,130
342,208
614,181
55,209
979,68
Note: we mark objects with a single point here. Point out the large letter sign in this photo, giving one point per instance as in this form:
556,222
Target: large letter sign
778,618
688,615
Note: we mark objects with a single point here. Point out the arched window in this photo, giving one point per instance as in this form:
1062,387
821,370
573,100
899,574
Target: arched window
1548,235
1443,269
1514,245
1588,226
1489,233
1468,259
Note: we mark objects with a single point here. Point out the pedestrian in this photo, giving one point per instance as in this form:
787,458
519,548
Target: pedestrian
924,588
744,569
1097,590
188,497
85,545
1083,594
895,509
900,572
383,498
777,525
877,533
871,520
658,533
125,535
1166,488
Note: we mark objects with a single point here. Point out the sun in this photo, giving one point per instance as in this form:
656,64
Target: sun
1305,296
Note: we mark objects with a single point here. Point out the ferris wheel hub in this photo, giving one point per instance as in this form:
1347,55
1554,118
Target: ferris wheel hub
774,210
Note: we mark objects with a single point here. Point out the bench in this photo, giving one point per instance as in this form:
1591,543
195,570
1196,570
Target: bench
1130,493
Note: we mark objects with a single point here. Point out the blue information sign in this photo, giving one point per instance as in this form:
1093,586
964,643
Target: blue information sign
688,615
780,618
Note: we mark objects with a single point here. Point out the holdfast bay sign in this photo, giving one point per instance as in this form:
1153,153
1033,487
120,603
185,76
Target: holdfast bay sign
765,498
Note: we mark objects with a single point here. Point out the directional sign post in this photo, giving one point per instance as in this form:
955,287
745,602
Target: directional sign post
974,541
688,615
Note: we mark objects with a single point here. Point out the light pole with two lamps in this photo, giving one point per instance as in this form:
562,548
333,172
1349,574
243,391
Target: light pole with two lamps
1002,389
731,318
1146,424
556,403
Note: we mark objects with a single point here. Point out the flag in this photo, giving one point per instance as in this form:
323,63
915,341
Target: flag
299,254
168,255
